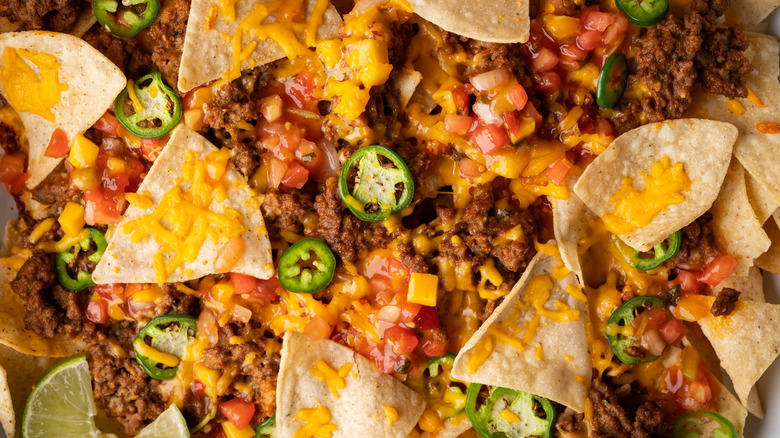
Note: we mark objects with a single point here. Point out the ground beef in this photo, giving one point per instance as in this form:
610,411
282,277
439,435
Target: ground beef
258,373
671,56
176,302
697,246
725,302
125,53
616,417
570,421
346,235
490,56
167,32
56,189
285,209
564,7
55,15
413,261
121,386
50,309
627,117
8,139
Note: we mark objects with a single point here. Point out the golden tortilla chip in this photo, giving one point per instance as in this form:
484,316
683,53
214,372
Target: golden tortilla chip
637,150
7,418
89,84
128,261
23,371
770,260
534,360
736,229
209,47
570,224
358,400
746,342
762,202
751,285
405,84
750,13
758,152
501,21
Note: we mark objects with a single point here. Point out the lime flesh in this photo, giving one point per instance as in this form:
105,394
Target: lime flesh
170,424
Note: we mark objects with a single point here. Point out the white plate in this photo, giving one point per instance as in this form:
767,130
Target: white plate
769,385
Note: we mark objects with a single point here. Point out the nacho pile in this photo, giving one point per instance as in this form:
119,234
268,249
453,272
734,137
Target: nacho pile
392,218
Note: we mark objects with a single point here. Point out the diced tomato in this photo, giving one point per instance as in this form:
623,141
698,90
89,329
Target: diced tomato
671,330
470,168
309,155
110,292
151,147
100,210
457,124
386,359
689,281
243,284
700,391
108,124
518,96
197,387
558,172
186,101
427,318
296,176
58,145
257,288
409,311
461,98
548,83
590,39
217,432
97,311
597,20
318,328
434,347
615,31
238,412
530,112
718,269
402,339
490,138
544,61
603,127
12,171
572,55
300,89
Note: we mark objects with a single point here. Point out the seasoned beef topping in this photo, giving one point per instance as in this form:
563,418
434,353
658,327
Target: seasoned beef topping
8,139
167,32
725,302
697,246
56,189
56,15
611,419
125,53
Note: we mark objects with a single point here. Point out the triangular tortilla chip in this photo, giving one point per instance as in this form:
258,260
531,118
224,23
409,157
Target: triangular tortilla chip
560,369
570,224
728,406
750,13
762,202
736,228
13,333
746,342
22,371
208,44
751,285
770,260
359,408
635,151
126,261
92,81
7,418
501,21
757,151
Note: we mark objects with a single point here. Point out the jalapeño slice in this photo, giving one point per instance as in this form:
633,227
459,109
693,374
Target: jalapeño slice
307,267
612,81
644,13
147,107
375,183
441,388
168,338
267,428
661,253
624,316
65,258
510,413
126,23
696,424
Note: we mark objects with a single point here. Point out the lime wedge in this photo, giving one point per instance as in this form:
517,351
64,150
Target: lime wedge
61,403
170,424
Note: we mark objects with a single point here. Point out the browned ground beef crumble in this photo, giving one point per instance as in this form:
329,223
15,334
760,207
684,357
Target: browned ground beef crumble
56,15
725,302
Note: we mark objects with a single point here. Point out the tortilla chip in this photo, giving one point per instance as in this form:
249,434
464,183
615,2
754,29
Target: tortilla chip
501,21
762,202
359,408
757,152
23,371
455,427
736,229
561,371
7,418
126,261
750,13
751,285
405,85
208,54
770,260
93,83
635,151
570,223
13,333
746,342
